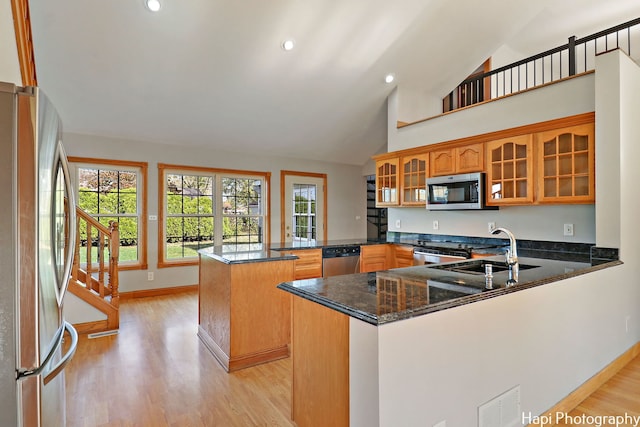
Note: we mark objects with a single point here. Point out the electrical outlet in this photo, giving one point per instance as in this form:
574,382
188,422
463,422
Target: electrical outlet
436,224
568,229
491,226
150,276
397,223
153,217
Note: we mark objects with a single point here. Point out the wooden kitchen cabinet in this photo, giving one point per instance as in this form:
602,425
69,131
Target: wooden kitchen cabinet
309,263
244,320
374,258
414,180
510,171
402,256
566,165
387,182
464,159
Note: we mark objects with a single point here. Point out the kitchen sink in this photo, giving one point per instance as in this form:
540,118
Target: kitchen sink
478,266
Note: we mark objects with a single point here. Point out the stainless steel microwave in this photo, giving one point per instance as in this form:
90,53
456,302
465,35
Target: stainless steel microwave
457,192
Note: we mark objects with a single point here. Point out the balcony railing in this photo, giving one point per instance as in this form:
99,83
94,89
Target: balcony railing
575,57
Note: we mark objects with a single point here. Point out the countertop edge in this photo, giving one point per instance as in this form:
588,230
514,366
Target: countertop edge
407,314
267,258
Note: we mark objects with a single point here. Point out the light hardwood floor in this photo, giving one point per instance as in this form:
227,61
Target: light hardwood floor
619,396
156,372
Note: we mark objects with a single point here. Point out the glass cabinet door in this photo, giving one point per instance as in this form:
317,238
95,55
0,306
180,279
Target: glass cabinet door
509,174
566,165
414,180
387,182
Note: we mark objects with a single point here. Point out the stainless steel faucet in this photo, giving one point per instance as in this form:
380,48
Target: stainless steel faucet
511,255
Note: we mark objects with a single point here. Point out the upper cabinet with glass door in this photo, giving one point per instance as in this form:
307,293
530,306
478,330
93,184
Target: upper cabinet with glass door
566,165
509,171
414,179
387,181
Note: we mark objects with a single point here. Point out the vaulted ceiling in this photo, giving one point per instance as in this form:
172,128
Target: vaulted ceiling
213,73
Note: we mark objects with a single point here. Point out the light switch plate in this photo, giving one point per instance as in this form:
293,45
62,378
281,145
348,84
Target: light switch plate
436,224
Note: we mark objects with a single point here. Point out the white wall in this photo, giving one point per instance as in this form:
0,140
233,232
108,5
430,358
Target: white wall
571,97
9,65
346,193
549,339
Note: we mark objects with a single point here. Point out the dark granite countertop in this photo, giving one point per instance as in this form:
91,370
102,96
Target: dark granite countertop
391,295
319,244
258,252
244,253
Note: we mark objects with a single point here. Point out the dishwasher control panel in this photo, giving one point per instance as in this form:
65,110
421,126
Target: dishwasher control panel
340,251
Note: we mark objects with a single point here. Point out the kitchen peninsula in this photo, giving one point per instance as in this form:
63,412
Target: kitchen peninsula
344,328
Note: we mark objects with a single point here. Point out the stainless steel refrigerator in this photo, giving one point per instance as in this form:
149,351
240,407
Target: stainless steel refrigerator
37,236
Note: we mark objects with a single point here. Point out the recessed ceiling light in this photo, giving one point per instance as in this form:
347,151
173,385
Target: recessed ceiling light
288,44
389,78
153,5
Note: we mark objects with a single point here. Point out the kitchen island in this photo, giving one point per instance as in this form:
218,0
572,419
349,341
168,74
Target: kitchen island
243,319
347,329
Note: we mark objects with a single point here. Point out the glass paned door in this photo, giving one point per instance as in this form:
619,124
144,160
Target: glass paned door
303,208
304,203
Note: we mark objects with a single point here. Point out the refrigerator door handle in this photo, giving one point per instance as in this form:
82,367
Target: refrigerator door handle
67,357
62,363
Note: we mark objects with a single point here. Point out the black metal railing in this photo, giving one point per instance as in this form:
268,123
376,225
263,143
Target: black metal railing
575,57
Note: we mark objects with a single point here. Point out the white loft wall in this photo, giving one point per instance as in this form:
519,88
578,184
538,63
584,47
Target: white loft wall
567,98
346,193
549,339
9,65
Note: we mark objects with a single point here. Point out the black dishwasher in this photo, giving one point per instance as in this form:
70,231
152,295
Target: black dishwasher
338,260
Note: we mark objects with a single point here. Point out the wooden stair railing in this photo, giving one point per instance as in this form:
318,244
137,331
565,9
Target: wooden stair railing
94,274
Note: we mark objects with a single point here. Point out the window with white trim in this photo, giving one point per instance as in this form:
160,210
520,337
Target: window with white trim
204,207
111,190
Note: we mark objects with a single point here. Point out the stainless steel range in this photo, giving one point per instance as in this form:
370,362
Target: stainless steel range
435,252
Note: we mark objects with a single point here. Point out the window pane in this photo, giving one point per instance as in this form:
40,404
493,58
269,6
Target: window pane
128,203
206,231
174,203
205,185
108,203
190,231
239,229
205,205
128,227
127,181
189,204
107,180
174,230
88,201
88,179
